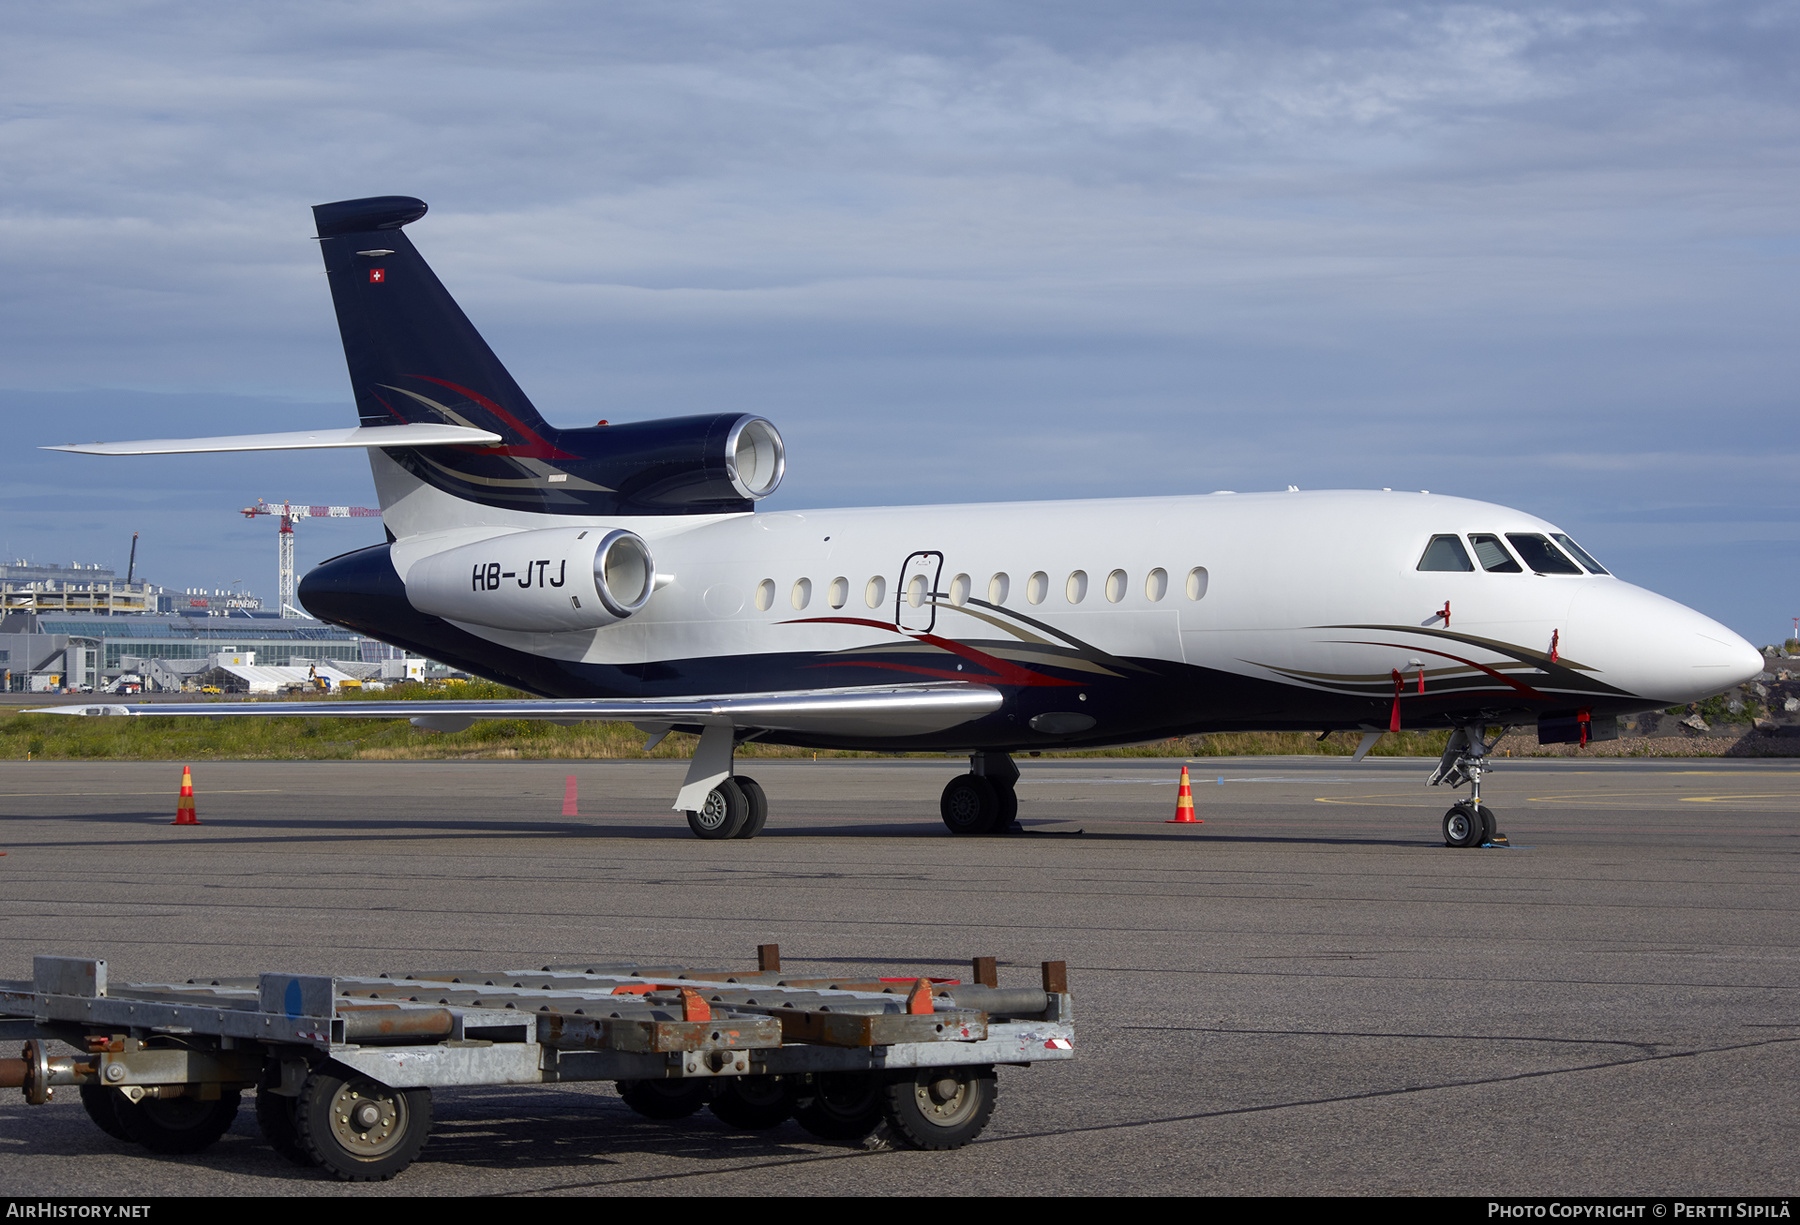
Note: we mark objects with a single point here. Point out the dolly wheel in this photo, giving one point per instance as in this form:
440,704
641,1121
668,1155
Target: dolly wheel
360,1130
103,1105
275,1118
754,1103
939,1108
665,1100
842,1105
178,1124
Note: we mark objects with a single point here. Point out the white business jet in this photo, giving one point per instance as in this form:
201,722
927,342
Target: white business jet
621,572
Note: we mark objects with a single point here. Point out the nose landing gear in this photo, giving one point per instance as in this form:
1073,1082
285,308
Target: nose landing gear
1469,822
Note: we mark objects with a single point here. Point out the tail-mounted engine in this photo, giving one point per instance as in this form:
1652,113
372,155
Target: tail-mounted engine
546,580
721,462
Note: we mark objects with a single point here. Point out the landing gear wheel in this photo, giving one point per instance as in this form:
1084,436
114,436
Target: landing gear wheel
1490,825
939,1108
665,1100
1009,807
844,1106
970,806
275,1119
1463,825
724,814
178,1125
102,1106
759,806
357,1129
754,1103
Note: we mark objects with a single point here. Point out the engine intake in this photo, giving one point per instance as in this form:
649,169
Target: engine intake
546,580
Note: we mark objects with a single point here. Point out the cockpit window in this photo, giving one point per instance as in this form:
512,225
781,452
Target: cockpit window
1493,555
1581,554
1541,555
1445,553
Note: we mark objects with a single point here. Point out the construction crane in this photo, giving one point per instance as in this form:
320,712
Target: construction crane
284,547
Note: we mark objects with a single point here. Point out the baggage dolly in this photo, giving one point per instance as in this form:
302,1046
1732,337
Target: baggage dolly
343,1066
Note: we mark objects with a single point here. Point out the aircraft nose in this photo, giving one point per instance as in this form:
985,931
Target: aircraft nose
1658,649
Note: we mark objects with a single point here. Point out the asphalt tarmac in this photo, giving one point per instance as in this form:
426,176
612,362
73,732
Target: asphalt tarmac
1308,994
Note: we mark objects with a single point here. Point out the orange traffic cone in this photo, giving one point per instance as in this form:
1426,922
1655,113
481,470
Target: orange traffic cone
570,806
184,811
1184,805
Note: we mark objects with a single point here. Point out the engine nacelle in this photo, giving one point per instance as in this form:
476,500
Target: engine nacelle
559,578
724,462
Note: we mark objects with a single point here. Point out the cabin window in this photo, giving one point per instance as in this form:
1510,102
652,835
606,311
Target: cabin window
1493,555
1116,583
1445,553
915,591
998,587
838,594
959,590
1037,587
1076,587
1539,554
1581,555
1156,584
765,594
802,595
875,594
1196,583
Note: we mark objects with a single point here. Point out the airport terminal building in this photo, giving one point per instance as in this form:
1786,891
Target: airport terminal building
42,652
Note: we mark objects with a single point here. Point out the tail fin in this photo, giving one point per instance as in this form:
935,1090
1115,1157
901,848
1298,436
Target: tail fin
415,358
413,355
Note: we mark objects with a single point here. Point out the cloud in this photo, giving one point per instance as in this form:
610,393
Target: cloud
1541,254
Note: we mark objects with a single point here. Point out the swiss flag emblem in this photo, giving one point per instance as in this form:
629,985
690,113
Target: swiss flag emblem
377,275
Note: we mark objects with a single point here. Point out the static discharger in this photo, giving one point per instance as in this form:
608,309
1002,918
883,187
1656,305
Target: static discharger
1184,804
184,808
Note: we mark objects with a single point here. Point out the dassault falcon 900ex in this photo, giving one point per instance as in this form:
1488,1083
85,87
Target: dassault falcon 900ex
620,572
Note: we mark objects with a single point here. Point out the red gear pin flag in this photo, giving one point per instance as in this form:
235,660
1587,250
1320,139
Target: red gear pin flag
377,275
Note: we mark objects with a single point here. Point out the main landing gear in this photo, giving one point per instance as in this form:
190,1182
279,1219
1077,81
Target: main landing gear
736,808
983,800
719,805
1469,822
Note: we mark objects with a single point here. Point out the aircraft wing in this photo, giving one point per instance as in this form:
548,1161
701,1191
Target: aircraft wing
419,434
892,710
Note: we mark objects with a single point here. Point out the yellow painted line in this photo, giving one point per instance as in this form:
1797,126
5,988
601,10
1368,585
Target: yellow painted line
1726,799
1427,801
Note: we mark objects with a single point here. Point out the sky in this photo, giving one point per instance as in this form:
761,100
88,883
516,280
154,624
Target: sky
1540,255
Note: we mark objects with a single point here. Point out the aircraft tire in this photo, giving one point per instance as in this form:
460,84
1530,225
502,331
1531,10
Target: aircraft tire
1490,825
759,806
1463,826
726,810
936,1109
970,806
1009,808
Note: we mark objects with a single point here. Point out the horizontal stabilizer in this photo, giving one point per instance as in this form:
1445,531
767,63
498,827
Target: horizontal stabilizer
897,710
423,434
